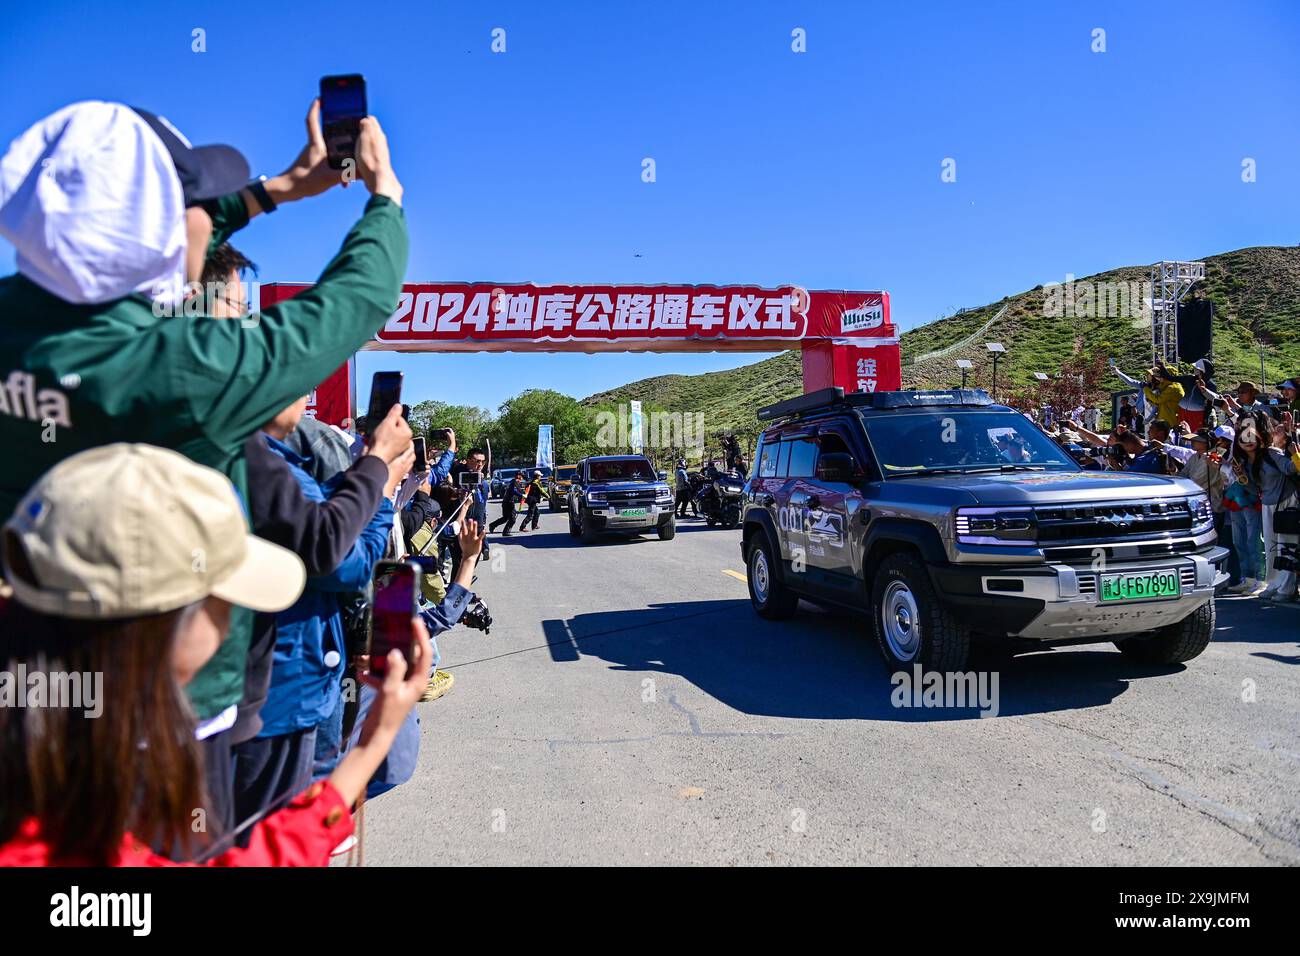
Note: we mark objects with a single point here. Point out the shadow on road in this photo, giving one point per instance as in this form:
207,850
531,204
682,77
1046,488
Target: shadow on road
820,665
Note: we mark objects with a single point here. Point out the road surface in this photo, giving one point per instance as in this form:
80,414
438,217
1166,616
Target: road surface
630,708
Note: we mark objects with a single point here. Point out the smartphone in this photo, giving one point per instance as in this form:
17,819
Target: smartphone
385,392
421,458
342,107
397,592
469,479
440,436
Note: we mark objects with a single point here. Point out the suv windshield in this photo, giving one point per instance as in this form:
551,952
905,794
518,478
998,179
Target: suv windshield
962,441
565,472
622,469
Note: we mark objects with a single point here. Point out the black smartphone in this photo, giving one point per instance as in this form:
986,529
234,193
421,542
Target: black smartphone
469,479
421,457
440,436
397,591
406,413
385,392
342,107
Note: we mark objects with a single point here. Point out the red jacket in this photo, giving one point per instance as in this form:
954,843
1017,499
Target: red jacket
302,834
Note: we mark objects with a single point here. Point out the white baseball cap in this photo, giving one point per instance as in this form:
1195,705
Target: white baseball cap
128,530
1225,431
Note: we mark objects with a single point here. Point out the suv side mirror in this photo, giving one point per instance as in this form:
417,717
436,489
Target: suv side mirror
836,466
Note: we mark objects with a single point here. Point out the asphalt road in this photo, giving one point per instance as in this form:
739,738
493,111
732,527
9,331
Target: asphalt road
630,708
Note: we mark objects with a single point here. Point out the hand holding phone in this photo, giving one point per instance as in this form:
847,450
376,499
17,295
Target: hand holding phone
396,604
343,107
385,392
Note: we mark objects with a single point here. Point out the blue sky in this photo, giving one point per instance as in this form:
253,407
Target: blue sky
819,168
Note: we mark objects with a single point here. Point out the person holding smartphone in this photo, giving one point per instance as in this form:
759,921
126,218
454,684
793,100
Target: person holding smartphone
399,763
79,308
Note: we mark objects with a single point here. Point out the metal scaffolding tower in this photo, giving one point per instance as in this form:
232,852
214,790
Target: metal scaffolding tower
1170,282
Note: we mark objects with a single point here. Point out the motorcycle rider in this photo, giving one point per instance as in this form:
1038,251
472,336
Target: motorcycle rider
683,481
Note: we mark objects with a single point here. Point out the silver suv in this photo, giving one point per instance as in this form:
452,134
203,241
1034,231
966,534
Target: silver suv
945,516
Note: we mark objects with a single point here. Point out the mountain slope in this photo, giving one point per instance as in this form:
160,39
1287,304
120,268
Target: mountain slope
1256,296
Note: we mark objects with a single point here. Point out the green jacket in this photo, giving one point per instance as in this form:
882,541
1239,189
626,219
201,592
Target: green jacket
74,377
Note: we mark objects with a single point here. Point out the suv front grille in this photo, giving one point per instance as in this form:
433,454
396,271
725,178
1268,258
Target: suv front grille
1067,524
630,497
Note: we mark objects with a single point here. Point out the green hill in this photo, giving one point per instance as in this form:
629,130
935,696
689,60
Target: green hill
1256,296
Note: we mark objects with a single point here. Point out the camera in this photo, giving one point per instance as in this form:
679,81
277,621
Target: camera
477,615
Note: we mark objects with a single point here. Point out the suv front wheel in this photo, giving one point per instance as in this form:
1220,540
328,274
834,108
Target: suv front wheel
768,593
1176,643
911,625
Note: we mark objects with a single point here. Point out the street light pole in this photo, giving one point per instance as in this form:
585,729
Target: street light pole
997,348
964,365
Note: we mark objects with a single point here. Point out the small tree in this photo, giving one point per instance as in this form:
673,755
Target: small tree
1079,382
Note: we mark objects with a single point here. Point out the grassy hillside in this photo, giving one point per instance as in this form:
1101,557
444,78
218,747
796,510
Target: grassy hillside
1256,296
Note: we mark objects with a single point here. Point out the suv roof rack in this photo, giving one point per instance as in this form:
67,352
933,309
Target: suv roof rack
826,398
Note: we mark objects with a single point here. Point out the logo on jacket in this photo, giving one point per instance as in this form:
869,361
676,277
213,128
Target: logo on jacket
20,398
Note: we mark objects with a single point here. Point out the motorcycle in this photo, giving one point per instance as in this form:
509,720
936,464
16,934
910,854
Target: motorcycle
719,498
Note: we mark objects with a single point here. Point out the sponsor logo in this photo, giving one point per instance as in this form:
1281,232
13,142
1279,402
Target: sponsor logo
866,316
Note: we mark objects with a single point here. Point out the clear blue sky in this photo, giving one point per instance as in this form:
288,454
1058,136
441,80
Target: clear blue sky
821,168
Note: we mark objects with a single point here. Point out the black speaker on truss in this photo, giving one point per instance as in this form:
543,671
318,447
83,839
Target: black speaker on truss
1195,329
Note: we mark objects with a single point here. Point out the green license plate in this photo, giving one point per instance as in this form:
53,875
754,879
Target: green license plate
631,513
1142,586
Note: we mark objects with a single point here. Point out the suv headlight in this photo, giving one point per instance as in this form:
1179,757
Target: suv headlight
1005,527
663,494
1202,513
595,496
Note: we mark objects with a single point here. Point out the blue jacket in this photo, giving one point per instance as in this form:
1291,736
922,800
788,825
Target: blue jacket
304,686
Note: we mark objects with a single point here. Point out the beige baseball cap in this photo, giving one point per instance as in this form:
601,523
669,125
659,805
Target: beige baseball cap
126,530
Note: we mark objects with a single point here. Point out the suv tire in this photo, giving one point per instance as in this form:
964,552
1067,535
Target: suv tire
668,531
1176,643
771,597
585,529
574,530
919,629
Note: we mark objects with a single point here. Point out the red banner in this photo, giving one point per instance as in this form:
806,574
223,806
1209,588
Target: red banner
450,317
847,338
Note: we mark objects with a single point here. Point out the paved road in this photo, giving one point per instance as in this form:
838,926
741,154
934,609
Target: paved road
630,708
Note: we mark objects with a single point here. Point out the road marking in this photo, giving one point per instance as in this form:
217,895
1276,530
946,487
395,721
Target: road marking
735,574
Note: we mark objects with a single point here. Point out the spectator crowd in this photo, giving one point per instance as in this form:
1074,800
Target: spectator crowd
180,528
1239,446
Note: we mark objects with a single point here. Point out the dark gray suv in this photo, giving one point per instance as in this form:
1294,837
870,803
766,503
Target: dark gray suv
619,493
944,516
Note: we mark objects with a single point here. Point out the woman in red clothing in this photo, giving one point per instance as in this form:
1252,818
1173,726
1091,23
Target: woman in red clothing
125,562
